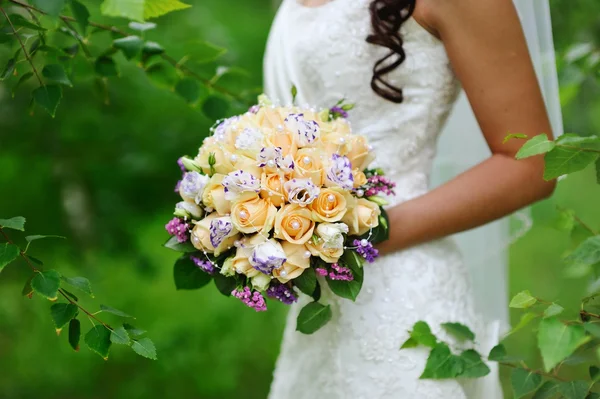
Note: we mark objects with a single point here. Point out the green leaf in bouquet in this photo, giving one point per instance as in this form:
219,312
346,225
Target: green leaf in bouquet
215,107
188,276
62,313
98,340
130,9
588,253
74,334
548,390
353,260
106,67
536,146
157,8
55,73
523,300
116,312
524,382
312,317
557,341
46,284
48,97
129,45
81,283
120,336
420,335
190,90
307,281
349,289
81,14
144,347
224,284
572,154
16,223
553,310
8,253
459,331
473,366
442,364
380,233
574,389
175,245
316,295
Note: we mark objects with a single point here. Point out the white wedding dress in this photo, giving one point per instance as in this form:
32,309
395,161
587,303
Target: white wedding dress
323,52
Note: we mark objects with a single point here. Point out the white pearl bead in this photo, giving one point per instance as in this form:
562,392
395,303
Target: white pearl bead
271,163
360,193
283,273
364,242
295,225
307,254
330,198
234,158
243,214
279,128
370,147
307,161
342,140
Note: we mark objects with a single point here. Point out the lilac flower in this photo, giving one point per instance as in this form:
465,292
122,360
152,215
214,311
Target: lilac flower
273,158
338,112
282,293
340,273
221,129
192,186
301,191
340,172
249,139
254,109
254,300
178,228
205,265
267,256
238,182
366,250
177,186
181,165
307,131
321,272
379,184
220,229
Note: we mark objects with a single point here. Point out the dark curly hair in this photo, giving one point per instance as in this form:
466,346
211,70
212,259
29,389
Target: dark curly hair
387,16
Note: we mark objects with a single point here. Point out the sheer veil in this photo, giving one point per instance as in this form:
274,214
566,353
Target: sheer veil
462,146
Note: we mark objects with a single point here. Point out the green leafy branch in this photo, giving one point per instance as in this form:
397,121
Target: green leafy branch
47,284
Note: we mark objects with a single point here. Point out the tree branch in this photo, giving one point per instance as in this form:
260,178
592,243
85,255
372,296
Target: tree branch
12,27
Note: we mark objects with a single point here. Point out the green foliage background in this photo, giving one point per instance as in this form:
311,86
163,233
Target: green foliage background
102,175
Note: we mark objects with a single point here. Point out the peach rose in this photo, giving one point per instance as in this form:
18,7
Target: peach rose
331,205
359,178
283,139
214,195
329,255
272,188
240,262
297,260
336,143
363,217
200,237
254,215
222,154
359,154
309,165
294,224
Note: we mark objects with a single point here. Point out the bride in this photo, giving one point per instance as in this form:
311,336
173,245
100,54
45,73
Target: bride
403,63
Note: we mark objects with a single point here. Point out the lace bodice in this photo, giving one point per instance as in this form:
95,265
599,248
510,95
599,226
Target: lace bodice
323,51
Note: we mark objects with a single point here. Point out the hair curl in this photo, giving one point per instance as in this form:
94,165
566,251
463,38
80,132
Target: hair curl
387,16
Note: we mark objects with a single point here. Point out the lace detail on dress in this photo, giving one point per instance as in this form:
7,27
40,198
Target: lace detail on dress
323,51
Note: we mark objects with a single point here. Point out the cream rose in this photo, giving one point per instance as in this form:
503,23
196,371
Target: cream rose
222,154
360,155
359,178
201,237
297,260
294,224
241,261
272,188
309,164
214,195
329,255
283,139
363,217
331,205
336,143
254,215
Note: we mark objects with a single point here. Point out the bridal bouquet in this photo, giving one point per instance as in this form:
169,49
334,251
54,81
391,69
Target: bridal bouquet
277,201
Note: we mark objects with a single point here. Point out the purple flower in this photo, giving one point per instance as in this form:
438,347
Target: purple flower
365,249
205,265
220,229
177,186
254,109
253,300
267,256
340,273
181,165
178,228
238,182
340,172
338,112
273,158
192,186
379,184
321,272
282,293
308,131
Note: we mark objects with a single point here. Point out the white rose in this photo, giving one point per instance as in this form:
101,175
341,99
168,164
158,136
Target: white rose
187,209
331,234
227,269
267,256
261,282
192,186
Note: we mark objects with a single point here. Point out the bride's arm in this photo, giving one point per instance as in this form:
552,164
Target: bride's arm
488,51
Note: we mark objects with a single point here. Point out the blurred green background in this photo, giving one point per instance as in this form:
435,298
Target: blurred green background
102,173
